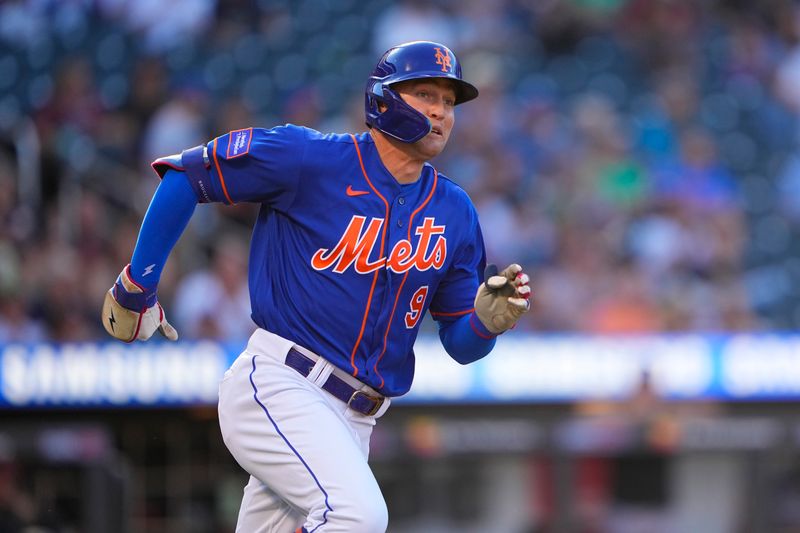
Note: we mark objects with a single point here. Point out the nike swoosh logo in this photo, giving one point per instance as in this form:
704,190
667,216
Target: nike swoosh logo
351,192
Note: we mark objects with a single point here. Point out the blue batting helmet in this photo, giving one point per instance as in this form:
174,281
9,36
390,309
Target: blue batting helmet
410,61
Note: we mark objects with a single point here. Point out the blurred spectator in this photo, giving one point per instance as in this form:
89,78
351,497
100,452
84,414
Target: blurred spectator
215,303
627,305
161,29
13,508
16,323
149,88
672,107
630,174
178,123
17,510
696,178
234,114
608,177
663,33
625,487
413,20
74,106
303,107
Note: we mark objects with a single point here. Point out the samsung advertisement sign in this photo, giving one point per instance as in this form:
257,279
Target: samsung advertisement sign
520,369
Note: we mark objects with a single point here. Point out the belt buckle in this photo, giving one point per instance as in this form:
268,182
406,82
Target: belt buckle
377,399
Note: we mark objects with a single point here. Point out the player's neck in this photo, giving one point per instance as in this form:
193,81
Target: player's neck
398,158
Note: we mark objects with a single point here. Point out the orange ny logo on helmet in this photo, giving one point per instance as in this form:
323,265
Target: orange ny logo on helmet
443,59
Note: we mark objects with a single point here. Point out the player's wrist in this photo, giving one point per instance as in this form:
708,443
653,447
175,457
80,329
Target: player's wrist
132,312
479,328
131,295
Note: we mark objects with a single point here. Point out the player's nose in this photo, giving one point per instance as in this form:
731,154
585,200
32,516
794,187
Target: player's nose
436,109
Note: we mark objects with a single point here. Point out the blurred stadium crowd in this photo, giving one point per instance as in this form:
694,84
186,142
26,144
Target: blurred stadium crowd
636,156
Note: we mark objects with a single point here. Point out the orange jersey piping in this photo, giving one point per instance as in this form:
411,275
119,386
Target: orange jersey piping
219,171
375,277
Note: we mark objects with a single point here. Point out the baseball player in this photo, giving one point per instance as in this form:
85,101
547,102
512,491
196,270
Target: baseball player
358,238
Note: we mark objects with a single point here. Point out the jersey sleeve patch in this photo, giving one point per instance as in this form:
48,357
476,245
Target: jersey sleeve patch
239,143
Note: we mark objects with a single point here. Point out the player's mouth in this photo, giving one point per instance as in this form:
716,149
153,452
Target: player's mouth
436,130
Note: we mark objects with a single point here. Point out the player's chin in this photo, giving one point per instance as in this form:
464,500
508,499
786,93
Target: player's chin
432,145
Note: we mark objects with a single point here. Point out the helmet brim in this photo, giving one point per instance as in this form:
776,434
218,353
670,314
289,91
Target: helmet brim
465,91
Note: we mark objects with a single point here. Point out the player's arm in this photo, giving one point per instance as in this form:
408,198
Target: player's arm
249,165
466,340
131,310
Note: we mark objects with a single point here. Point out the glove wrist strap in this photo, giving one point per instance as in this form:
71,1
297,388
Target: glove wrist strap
139,299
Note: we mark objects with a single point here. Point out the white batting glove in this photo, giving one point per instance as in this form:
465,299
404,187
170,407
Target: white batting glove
132,312
502,298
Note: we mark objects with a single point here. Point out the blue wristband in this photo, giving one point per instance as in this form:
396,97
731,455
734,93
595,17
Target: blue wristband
135,301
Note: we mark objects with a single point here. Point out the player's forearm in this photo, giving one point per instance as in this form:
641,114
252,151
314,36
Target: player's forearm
170,210
466,339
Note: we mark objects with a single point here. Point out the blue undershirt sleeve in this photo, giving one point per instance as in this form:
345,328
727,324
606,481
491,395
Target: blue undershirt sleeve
170,210
465,340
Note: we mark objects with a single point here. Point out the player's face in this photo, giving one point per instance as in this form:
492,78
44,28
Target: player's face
436,99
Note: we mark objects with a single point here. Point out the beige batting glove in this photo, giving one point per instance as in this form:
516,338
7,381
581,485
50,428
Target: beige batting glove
502,298
132,312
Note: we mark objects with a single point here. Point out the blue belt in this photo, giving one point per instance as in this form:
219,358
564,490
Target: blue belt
355,399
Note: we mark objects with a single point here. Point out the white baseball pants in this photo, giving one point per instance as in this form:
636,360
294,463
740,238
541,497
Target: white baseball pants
305,450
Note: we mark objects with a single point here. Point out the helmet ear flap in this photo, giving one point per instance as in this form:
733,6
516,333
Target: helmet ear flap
398,120
375,96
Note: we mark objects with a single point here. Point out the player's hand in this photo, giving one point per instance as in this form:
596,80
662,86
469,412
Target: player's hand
502,298
131,312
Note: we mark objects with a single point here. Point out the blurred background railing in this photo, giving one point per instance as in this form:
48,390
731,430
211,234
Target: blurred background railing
638,157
